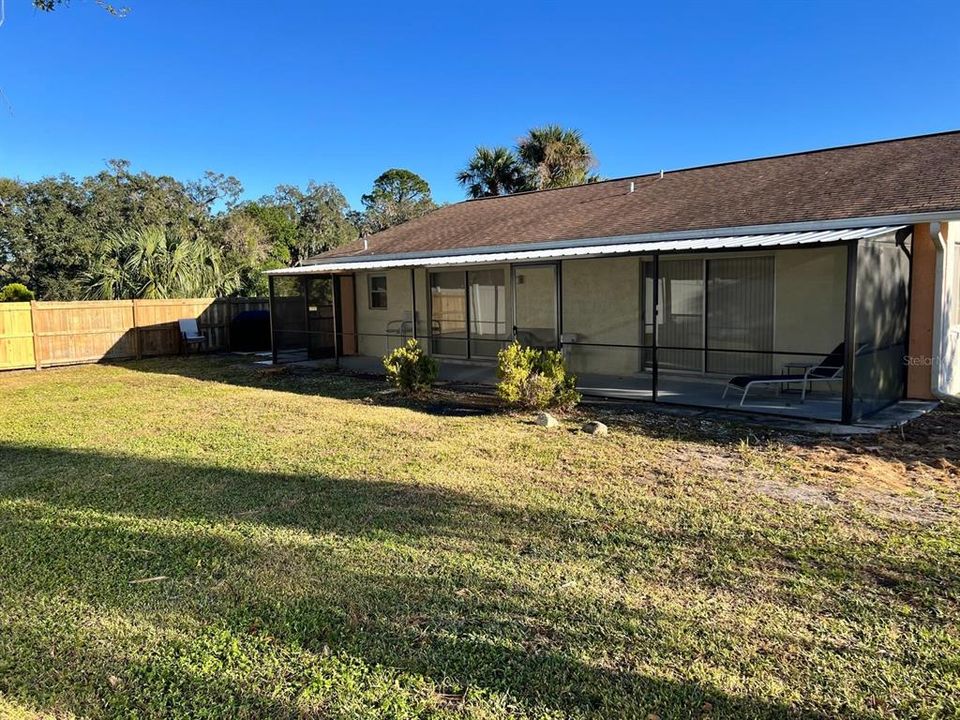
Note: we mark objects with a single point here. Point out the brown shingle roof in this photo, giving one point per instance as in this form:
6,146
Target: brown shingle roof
911,175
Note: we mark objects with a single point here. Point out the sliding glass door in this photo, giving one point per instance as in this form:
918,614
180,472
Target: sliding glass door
740,304
488,311
468,312
680,317
714,315
448,313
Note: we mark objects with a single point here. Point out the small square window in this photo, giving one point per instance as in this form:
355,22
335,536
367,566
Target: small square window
378,291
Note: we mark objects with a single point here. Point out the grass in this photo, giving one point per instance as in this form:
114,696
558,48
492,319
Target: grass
193,538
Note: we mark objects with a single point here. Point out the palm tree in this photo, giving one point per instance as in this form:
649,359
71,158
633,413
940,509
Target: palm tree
492,171
150,263
555,157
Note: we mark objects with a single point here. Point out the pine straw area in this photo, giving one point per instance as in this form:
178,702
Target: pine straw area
198,538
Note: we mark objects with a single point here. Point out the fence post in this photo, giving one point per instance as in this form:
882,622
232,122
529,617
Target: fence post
228,315
37,360
137,348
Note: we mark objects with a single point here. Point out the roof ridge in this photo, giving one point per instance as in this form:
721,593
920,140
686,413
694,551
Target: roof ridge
723,163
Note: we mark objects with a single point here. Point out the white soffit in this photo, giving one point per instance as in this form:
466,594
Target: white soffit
733,242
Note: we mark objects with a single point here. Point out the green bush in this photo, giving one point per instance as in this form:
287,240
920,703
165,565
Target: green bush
410,369
15,292
535,379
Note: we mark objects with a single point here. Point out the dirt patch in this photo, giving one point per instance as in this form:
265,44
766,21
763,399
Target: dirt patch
900,507
806,494
924,510
911,474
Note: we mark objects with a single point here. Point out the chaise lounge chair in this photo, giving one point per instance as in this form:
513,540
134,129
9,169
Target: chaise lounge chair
830,368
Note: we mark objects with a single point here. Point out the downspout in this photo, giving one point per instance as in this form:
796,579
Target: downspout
939,321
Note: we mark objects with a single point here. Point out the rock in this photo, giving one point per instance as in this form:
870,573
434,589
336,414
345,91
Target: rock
545,419
595,427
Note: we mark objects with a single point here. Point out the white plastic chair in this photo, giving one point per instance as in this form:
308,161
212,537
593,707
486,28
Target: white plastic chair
190,334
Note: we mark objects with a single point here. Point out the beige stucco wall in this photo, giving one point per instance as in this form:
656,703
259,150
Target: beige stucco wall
536,282
372,322
601,304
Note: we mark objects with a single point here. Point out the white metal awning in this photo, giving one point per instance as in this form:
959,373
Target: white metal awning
733,242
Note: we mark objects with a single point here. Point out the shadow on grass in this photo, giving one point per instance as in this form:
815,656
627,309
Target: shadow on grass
323,381
264,568
931,439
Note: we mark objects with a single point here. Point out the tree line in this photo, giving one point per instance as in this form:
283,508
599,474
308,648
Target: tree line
124,234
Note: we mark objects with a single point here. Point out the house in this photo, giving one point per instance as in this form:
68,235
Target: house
838,265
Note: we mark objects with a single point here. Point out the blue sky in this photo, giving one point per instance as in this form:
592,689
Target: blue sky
282,92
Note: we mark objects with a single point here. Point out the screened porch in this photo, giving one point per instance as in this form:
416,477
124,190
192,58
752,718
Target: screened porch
813,331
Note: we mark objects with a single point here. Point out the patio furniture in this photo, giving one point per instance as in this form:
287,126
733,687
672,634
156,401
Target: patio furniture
828,369
538,338
403,327
190,335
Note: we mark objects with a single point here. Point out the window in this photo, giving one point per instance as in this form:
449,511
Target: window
377,285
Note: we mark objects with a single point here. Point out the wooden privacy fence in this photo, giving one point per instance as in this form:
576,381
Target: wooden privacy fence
44,334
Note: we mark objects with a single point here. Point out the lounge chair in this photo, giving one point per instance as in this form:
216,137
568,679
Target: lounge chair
830,368
190,334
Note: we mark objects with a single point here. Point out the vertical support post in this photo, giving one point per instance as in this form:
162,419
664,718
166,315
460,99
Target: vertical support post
227,305
513,293
335,286
413,296
466,295
37,359
559,284
909,232
706,313
849,333
356,325
137,343
656,314
304,290
270,304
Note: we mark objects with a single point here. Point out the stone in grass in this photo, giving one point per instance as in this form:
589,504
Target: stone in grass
545,419
595,427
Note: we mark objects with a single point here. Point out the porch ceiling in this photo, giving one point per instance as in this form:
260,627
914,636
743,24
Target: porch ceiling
733,242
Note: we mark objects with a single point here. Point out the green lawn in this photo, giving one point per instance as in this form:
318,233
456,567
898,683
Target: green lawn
195,538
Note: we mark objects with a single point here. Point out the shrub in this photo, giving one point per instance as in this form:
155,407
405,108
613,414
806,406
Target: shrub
410,369
15,292
535,379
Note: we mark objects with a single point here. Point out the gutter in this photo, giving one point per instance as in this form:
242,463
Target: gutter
773,228
521,254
